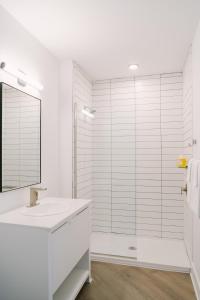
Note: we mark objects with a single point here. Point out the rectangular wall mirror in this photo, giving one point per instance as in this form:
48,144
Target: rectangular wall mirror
20,139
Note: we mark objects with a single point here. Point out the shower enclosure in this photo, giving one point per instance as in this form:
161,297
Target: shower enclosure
126,159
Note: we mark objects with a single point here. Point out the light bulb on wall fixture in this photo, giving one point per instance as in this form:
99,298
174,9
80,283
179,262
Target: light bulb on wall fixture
21,77
133,67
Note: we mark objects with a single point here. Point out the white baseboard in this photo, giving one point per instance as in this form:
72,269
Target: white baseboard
195,281
134,262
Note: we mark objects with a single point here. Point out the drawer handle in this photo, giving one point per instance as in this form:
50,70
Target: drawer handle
80,212
60,227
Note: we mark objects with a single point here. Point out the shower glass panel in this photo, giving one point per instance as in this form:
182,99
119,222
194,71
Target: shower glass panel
82,136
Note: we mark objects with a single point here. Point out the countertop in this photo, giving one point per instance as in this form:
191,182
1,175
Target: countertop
50,223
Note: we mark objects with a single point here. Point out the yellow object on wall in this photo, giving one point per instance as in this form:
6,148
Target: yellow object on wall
182,162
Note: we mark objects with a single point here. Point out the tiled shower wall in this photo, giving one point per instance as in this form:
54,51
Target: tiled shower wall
137,136
114,157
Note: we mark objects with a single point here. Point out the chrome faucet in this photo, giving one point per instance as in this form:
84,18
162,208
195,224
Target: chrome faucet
34,195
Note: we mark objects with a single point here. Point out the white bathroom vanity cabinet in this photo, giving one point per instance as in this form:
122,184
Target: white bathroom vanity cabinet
45,258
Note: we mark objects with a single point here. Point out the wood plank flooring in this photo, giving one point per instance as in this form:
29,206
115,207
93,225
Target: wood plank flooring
117,282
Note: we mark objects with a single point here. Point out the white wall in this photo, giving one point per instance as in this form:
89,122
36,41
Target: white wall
65,128
20,49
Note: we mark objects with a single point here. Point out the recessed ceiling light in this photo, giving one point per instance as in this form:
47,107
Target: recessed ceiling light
133,67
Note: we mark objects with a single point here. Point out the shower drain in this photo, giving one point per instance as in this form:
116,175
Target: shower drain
132,248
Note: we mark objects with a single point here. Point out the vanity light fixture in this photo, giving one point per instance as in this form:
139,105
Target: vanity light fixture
133,67
21,77
88,112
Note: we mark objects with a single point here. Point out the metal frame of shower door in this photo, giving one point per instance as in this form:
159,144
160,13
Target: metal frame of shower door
75,153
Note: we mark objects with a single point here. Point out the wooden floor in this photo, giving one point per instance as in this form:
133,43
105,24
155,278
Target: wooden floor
116,282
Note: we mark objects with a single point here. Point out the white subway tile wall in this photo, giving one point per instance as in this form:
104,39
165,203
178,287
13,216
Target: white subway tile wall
172,146
123,188
20,139
148,156
137,136
82,96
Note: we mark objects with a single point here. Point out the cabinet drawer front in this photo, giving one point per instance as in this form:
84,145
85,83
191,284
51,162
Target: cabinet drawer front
69,243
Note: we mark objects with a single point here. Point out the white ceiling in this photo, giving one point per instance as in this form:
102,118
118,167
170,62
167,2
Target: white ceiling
105,36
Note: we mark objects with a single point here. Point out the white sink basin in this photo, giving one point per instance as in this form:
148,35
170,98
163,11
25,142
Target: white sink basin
46,209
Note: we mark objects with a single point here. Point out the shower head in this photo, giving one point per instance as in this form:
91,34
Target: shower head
88,111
